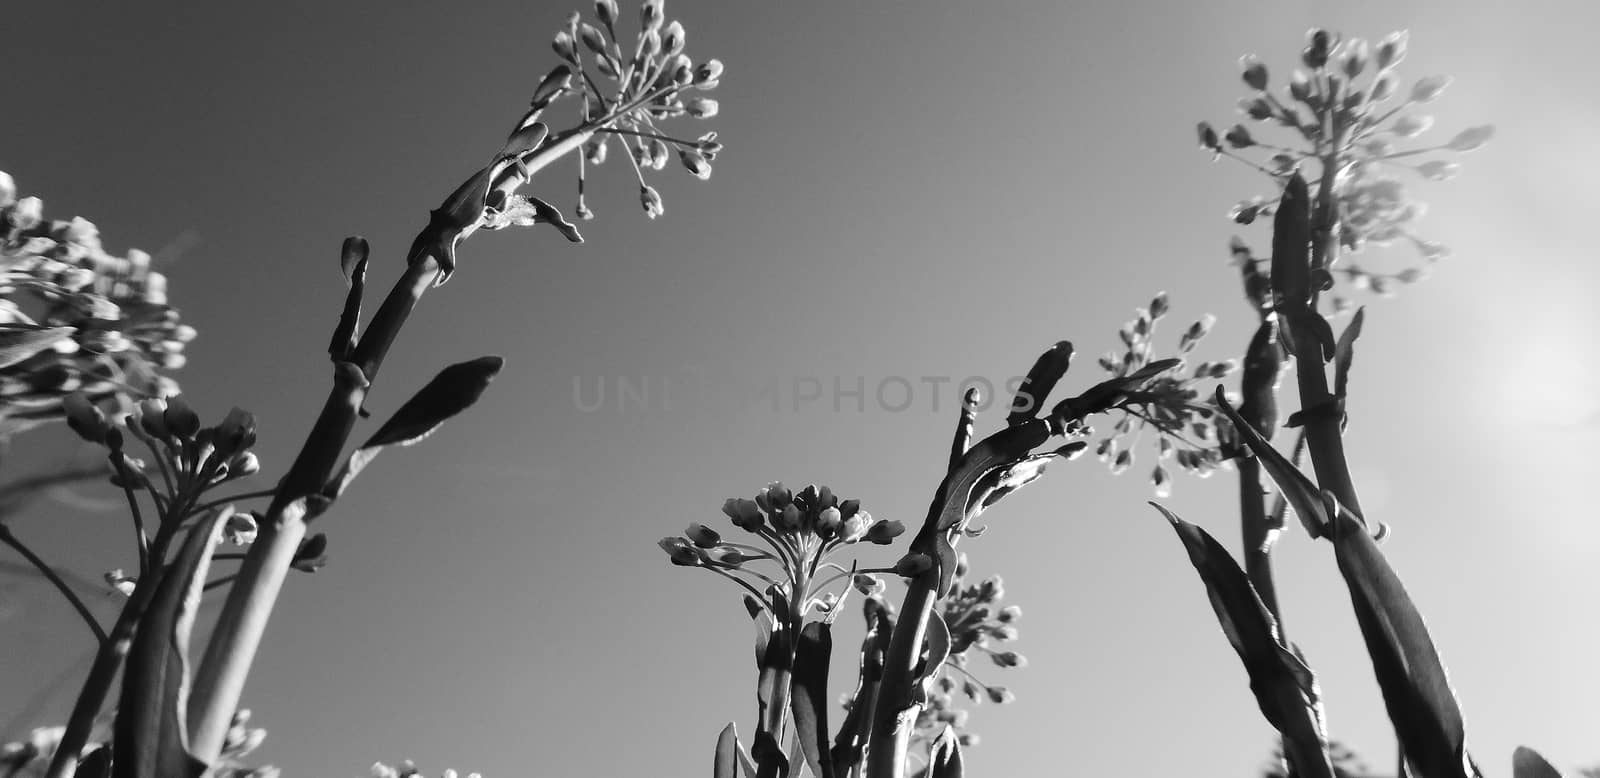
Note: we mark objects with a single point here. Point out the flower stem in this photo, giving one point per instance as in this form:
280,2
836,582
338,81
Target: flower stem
10,539
219,683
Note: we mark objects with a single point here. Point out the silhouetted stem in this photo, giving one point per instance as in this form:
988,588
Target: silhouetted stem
11,540
237,635
1254,528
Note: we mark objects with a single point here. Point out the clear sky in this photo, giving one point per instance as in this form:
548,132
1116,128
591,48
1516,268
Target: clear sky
909,189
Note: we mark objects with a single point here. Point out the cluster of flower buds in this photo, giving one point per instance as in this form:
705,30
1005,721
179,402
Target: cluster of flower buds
408,770
641,84
801,530
189,459
76,319
977,622
1350,128
1172,405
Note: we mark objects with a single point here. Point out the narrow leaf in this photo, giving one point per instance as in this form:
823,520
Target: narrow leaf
809,699
949,510
1416,689
1042,377
353,263
553,85
1297,489
453,390
1527,763
151,731
853,733
1284,687
964,423
1344,351
938,638
724,765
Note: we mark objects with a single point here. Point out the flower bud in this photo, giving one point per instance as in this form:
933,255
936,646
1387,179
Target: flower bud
788,519
1004,632
152,417
1239,137
1208,137
1438,170
239,528
1000,695
651,200
1471,138
707,75
592,39
885,531
1318,44
828,522
703,536
854,528
607,12
1392,49
26,213
1255,73
695,163
244,464
651,15
1426,90
1410,126
1353,57
672,38
1009,659
564,47
659,154
730,557
868,584
236,433
701,107
681,552
1009,614
84,418
181,420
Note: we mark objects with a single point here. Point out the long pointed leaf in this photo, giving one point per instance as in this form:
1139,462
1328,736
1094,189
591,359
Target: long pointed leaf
353,263
810,698
1416,689
853,733
452,391
1284,687
151,731
1344,352
1301,493
944,756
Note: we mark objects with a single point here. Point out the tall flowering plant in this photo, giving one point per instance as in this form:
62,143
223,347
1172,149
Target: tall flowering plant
88,352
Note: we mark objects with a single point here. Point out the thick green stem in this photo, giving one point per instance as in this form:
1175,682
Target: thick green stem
893,718
107,661
237,635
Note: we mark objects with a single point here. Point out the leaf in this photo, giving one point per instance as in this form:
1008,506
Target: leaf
1042,377
20,341
949,510
455,389
1297,489
1284,687
724,764
151,731
1416,689
553,85
353,263
944,756
524,139
1344,351
1527,763
809,698
1291,246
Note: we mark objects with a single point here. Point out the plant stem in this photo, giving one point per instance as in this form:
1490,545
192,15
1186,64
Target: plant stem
234,641
11,540
1253,520
107,661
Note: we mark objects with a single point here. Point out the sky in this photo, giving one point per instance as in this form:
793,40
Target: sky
908,190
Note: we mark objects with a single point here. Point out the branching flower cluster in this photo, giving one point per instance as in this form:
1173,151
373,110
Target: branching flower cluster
801,532
29,759
74,318
1353,129
641,85
1172,405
